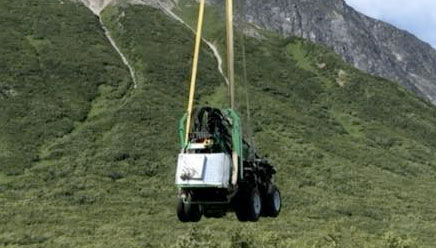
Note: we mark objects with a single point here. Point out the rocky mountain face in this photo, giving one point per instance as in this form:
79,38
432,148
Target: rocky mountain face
370,45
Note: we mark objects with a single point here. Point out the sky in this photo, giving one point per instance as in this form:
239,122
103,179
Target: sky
416,16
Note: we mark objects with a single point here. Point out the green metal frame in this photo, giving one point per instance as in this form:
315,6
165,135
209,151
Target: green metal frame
237,138
237,141
182,131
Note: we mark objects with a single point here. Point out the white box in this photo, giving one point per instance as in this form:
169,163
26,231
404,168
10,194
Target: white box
203,170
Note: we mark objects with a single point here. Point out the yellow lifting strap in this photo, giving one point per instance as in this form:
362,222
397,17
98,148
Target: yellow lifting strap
230,71
195,67
230,60
230,52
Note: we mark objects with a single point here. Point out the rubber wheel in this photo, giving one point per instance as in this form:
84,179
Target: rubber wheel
273,202
187,212
194,212
240,209
181,213
249,205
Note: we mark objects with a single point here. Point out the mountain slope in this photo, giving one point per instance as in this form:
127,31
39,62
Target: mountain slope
366,43
52,65
355,153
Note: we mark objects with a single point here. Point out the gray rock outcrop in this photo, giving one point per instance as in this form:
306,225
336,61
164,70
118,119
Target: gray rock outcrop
370,45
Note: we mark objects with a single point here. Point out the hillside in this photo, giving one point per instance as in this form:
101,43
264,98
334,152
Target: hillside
368,44
88,160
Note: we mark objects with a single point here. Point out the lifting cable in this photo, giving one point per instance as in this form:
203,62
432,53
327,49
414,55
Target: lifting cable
245,83
229,26
195,67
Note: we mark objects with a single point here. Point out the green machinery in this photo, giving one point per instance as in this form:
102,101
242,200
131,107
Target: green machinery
217,171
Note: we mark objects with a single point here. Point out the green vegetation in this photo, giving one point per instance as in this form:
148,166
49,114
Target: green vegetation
52,63
299,54
86,160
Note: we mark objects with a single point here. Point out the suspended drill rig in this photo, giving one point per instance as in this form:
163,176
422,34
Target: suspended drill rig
217,170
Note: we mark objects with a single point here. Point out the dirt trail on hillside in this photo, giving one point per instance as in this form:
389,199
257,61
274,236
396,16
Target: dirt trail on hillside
96,6
212,47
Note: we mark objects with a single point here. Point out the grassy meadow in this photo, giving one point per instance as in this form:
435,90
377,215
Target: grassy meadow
86,160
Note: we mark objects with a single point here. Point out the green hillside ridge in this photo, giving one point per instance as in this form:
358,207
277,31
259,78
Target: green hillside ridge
88,161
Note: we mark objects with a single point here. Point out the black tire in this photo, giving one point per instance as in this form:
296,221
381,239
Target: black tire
272,202
187,212
181,213
249,205
240,211
194,212
240,206
254,208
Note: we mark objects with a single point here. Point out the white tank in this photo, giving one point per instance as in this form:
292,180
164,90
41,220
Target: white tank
211,170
